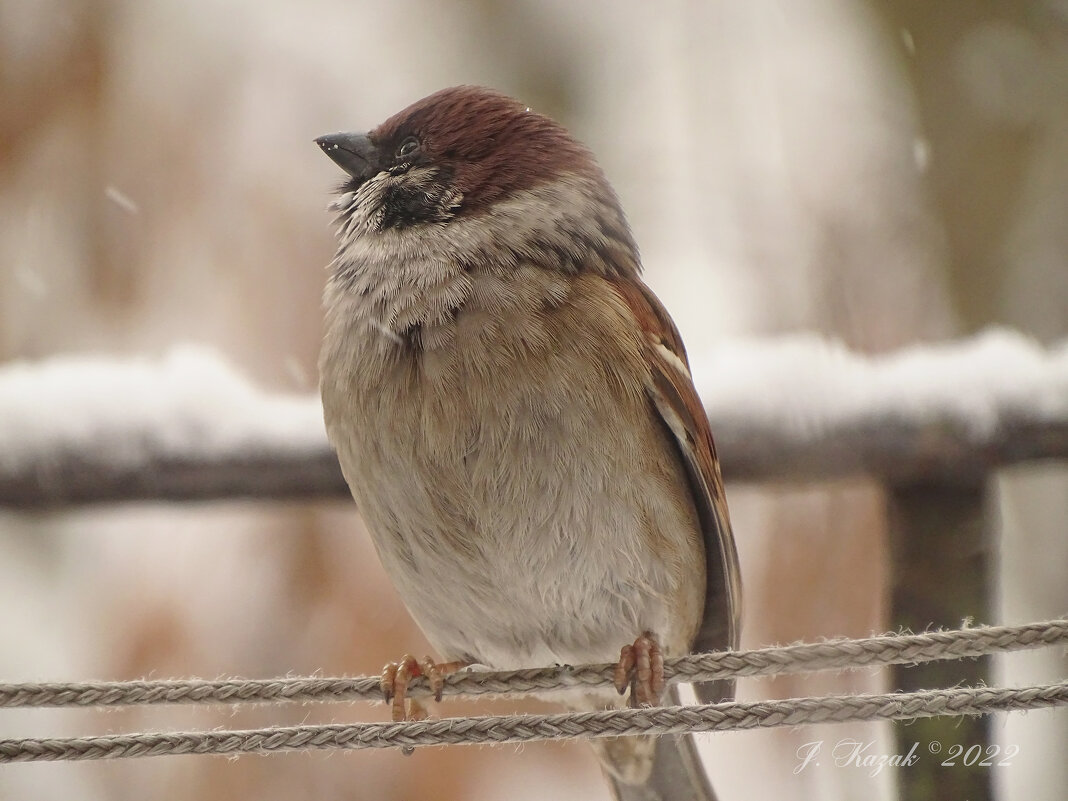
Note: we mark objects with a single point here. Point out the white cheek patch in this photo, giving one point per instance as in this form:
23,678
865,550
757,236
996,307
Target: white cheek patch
555,213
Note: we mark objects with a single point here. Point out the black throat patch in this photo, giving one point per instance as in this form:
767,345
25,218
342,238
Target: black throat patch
417,202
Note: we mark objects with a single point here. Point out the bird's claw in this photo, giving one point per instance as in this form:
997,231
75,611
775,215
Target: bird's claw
641,667
396,676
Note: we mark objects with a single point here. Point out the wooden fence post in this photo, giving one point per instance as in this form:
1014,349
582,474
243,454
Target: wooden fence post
943,559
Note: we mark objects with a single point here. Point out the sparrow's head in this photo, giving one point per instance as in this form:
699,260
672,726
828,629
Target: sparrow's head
475,175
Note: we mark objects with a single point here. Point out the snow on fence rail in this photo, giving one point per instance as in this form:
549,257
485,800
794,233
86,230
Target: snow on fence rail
79,430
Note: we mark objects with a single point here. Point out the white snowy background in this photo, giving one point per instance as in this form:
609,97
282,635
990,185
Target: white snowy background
886,174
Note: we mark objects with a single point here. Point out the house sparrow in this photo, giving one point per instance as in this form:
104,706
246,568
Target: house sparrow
514,414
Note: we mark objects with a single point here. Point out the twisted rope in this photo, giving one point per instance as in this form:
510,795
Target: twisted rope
831,655
528,728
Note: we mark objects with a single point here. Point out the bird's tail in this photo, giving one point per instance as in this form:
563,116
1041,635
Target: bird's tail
663,768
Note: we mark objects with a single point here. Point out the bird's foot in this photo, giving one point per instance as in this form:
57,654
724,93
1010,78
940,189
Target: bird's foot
641,667
396,676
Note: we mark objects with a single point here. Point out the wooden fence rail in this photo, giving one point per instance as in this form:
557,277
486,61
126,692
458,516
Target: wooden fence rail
81,431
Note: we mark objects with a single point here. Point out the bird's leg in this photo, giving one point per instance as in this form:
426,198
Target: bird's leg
641,667
397,675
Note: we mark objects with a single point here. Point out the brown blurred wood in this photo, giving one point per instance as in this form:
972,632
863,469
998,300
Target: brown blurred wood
938,452
91,478
942,570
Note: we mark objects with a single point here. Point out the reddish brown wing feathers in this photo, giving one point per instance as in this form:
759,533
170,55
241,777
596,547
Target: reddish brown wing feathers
675,400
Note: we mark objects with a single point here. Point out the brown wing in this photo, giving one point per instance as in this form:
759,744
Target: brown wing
675,399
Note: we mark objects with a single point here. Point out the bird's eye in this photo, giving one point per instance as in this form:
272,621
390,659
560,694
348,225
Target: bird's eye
408,148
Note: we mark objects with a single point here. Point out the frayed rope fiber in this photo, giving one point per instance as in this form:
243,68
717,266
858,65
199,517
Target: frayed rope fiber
529,728
838,654
830,655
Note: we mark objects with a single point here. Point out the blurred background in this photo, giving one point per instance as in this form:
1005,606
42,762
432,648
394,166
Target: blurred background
884,173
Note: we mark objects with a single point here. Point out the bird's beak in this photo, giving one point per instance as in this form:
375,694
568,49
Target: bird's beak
355,153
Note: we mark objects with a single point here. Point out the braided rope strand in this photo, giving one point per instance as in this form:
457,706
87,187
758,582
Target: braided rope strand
830,655
529,728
